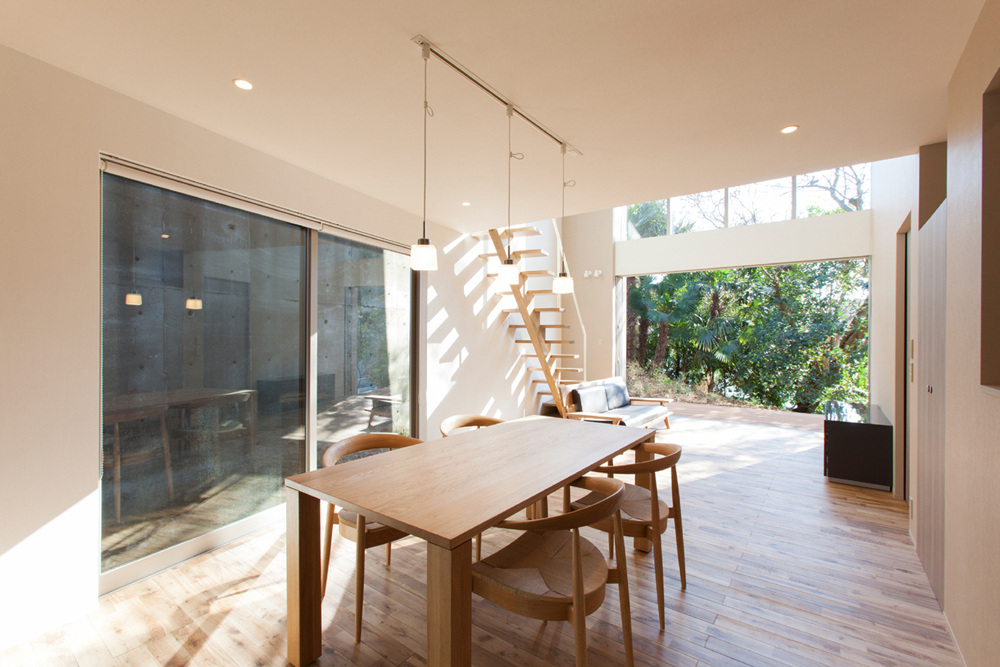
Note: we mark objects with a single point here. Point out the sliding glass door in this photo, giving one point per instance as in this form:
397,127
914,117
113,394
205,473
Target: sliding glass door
205,342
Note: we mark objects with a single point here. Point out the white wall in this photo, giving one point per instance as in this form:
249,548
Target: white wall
54,125
895,188
587,239
827,237
472,364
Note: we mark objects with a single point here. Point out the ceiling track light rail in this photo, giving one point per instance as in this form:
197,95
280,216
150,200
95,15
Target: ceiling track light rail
492,92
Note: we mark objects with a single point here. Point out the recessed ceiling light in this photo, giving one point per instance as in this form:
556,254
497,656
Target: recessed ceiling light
467,203
243,84
789,129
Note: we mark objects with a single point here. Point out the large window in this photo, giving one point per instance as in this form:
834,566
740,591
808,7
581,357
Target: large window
205,348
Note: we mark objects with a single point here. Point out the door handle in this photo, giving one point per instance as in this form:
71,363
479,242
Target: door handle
930,389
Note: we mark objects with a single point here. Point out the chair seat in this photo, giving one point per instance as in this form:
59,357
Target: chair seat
376,533
539,567
638,415
635,508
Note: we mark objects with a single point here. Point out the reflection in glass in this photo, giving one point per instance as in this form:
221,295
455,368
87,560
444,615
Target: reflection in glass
204,381
834,191
756,203
364,341
698,212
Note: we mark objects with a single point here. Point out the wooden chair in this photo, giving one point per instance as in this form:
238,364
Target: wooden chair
220,430
353,526
551,573
466,421
644,515
455,422
118,459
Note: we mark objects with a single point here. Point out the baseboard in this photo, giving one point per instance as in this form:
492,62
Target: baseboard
954,640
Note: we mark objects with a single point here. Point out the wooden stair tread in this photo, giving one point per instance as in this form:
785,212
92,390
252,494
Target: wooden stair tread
515,231
550,342
540,326
545,382
528,274
553,355
518,254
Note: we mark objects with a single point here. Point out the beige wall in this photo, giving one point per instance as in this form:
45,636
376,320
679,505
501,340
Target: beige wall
972,422
54,124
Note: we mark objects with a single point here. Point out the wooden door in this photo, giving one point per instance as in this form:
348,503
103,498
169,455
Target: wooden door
930,358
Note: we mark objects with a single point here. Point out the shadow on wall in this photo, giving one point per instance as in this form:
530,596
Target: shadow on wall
473,364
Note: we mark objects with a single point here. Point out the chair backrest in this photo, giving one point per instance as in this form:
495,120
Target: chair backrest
363,442
665,456
613,489
465,421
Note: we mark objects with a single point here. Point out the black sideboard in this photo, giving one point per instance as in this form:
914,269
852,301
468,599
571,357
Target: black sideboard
857,443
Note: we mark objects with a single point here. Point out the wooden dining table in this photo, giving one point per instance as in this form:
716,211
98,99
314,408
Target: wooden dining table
443,491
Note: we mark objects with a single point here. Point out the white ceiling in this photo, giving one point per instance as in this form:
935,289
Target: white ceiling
662,97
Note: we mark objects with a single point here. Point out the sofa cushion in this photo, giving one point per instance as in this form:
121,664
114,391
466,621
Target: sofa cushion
639,415
617,393
590,399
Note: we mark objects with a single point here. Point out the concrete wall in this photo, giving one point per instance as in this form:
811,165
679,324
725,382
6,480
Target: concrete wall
972,422
54,125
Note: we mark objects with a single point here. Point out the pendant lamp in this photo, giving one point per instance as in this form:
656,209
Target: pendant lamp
423,254
509,272
563,283
133,298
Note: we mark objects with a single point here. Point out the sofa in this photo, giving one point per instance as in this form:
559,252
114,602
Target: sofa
608,400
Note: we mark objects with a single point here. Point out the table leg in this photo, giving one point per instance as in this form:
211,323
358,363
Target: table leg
305,643
645,481
449,605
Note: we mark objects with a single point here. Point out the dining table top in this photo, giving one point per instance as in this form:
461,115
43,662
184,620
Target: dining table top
123,403
445,491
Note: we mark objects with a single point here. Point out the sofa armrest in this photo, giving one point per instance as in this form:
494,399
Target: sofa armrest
583,416
637,400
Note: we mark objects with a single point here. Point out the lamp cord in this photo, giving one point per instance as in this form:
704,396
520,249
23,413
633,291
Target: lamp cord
427,112
565,184
511,155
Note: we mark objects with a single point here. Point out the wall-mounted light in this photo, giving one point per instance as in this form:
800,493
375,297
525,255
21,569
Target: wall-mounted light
193,303
133,298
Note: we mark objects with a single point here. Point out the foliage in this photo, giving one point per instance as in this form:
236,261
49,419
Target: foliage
373,350
784,336
649,218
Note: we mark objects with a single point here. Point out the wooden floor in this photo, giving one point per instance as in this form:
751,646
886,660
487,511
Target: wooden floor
783,569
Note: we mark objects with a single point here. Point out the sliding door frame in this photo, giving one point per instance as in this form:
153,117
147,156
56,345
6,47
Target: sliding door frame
146,566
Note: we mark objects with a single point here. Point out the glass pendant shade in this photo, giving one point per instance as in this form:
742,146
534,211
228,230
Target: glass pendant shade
509,273
193,304
563,284
133,299
423,256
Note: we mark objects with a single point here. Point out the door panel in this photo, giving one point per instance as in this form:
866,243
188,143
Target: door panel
930,356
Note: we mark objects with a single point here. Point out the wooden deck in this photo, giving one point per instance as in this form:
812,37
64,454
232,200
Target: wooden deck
784,569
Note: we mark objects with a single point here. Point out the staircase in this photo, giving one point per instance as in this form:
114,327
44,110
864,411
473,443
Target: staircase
542,339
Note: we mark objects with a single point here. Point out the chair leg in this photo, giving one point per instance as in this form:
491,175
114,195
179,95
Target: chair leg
388,554
623,595
657,539
479,547
166,456
678,528
578,611
331,514
117,462
359,578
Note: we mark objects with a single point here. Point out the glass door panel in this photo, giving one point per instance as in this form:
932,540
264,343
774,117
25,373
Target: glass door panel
203,366
364,341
